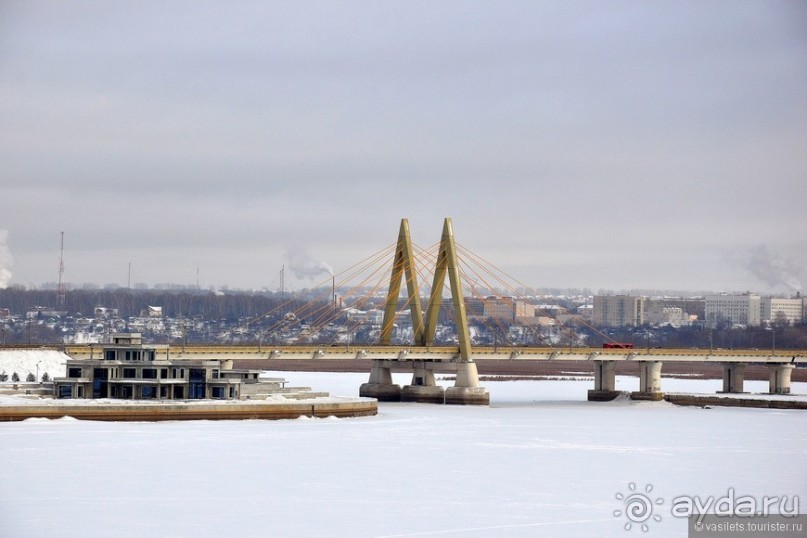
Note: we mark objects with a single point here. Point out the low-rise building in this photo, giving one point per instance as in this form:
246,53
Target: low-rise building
658,313
128,369
508,309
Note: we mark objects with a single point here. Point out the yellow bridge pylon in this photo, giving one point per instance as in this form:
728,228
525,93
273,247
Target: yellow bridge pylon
466,389
447,266
403,265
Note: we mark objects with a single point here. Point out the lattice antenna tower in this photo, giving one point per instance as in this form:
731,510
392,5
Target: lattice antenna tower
61,272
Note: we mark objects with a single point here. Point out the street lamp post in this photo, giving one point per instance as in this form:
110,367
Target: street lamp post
37,370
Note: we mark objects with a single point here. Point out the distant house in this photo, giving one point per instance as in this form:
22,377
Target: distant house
152,312
43,312
130,370
103,312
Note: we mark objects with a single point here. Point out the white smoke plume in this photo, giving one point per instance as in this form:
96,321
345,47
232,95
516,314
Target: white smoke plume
304,266
6,261
774,269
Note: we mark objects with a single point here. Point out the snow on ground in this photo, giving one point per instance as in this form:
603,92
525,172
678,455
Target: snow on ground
540,461
31,361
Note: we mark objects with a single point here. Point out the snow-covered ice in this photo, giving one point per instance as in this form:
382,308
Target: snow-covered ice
540,461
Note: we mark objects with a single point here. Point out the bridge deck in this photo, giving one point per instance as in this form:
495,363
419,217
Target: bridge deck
451,354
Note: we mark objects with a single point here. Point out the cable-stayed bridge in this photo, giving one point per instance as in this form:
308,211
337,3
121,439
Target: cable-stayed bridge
423,355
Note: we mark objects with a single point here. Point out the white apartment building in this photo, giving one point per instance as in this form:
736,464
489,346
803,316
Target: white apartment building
773,307
618,311
742,309
752,310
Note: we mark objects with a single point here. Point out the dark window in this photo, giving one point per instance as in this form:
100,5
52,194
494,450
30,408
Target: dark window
65,391
232,392
196,383
164,373
149,392
129,373
217,392
197,374
149,373
100,383
109,355
74,372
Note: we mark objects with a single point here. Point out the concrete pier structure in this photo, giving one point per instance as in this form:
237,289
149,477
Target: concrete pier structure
466,389
205,410
380,385
604,382
649,381
733,377
780,378
423,388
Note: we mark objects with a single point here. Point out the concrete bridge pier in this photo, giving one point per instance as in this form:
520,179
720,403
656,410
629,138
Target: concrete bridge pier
604,382
423,388
733,377
380,385
466,389
780,378
649,381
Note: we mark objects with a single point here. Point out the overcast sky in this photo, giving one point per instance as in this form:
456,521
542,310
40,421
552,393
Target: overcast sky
610,145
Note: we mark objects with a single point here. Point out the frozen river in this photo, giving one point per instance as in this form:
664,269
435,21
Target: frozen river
540,461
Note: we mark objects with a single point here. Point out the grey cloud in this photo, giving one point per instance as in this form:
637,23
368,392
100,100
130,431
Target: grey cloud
552,128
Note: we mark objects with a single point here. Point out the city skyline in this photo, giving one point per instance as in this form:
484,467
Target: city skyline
575,145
